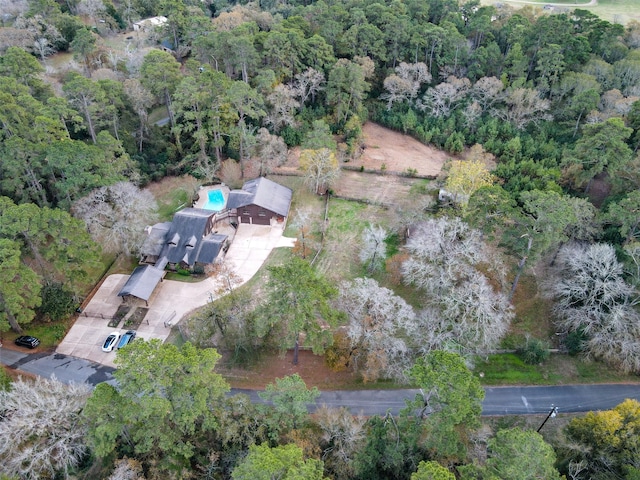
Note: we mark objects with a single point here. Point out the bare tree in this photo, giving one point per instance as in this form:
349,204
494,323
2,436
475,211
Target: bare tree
593,297
320,168
405,83
440,100
308,84
94,9
306,242
471,318
374,249
342,437
523,106
127,469
231,173
228,278
378,324
282,104
472,114
40,29
270,150
466,310
486,91
41,427
43,48
116,216
399,90
442,250
141,101
14,8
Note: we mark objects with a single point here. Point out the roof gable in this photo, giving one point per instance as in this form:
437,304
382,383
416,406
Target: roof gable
187,240
142,282
264,193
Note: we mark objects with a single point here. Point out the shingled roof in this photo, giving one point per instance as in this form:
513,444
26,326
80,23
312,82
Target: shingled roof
263,193
185,241
142,282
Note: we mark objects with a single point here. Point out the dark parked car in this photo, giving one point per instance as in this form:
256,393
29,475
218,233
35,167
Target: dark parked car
127,338
27,341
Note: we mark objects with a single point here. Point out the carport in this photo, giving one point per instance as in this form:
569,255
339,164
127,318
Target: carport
142,282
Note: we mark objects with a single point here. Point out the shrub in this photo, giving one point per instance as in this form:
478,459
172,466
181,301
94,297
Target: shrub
57,302
338,354
5,380
575,342
231,173
198,269
534,351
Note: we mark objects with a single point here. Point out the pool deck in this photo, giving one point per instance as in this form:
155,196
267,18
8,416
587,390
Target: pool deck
203,194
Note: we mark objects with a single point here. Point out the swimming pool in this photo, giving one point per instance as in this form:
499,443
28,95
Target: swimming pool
215,200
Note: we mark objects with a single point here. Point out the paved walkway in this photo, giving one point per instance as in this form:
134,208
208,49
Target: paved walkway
171,301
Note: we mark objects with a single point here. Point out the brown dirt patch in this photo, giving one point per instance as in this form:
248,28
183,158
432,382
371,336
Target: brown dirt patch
165,187
397,152
311,368
382,146
382,189
599,190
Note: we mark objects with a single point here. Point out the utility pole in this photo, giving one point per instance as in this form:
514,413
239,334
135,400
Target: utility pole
552,413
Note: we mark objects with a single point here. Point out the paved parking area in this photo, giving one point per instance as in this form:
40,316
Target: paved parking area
171,300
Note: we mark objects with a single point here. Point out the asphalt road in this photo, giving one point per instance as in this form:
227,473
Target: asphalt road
498,400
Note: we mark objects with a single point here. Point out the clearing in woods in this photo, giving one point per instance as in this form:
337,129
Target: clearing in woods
384,150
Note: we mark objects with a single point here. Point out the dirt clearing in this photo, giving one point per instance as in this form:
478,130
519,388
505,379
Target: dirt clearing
398,152
383,147
380,189
311,368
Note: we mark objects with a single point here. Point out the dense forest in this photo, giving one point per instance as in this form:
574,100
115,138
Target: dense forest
544,107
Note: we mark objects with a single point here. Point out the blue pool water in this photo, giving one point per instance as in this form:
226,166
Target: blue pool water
215,200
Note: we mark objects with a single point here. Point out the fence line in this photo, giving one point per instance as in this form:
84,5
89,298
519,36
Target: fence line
407,174
167,320
324,227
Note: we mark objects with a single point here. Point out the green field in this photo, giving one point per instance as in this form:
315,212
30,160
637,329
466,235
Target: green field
615,11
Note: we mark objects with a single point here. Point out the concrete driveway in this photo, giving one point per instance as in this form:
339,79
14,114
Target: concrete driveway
171,300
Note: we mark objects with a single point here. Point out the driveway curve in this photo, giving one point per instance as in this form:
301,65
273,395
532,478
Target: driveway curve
171,301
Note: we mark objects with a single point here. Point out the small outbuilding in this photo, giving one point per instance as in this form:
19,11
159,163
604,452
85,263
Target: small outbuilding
260,202
149,23
142,282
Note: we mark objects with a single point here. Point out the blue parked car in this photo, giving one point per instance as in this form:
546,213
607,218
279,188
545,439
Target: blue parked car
127,338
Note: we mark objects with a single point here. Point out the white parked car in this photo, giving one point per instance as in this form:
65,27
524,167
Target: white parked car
111,342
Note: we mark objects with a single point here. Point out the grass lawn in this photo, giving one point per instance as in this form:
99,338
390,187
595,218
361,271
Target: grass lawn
558,369
173,194
615,11
157,114
49,333
533,315
346,222
618,11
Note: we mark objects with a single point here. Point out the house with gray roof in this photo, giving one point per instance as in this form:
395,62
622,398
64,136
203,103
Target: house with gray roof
259,202
190,240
